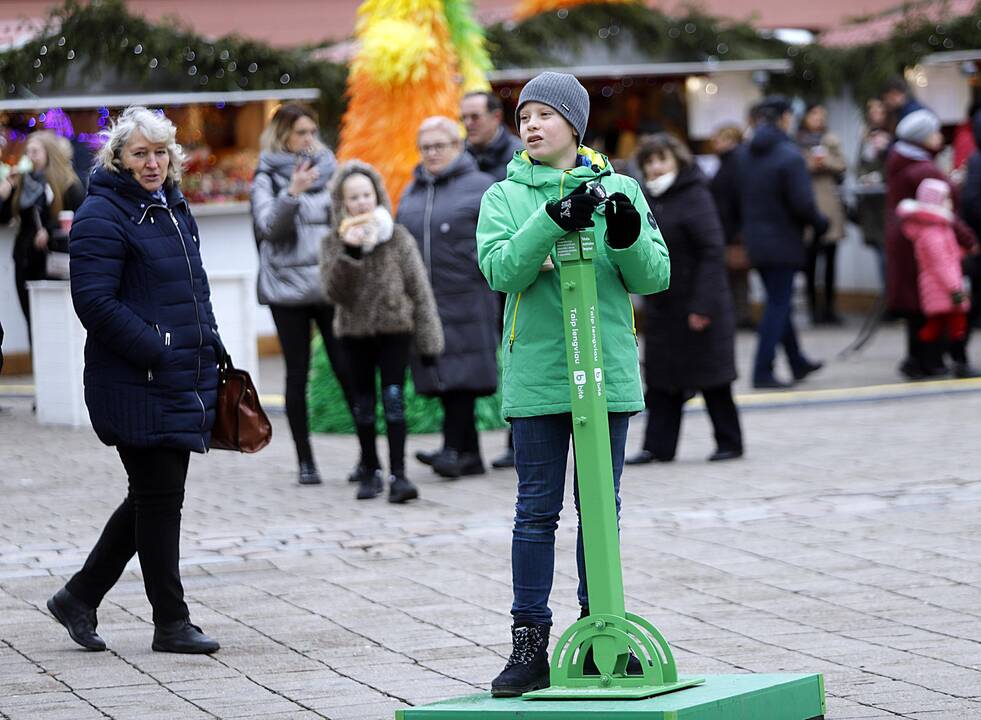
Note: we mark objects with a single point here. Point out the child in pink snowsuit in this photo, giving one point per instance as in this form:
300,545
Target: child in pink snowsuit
928,222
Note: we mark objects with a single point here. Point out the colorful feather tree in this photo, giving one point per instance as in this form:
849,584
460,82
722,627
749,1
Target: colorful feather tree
527,8
412,54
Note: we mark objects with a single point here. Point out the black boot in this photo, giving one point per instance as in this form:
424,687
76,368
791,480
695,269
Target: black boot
452,464
428,458
371,484
505,460
181,636
309,475
78,618
589,665
527,668
359,473
401,489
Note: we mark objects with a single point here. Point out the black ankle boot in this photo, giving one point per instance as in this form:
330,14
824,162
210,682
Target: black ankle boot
78,618
527,668
181,636
309,475
589,665
401,489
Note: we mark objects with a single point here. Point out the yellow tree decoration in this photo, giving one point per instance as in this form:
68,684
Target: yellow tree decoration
527,8
407,68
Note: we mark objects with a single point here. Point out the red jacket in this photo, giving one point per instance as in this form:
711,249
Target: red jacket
938,256
903,175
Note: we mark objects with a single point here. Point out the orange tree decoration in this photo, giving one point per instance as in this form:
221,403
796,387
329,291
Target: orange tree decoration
529,8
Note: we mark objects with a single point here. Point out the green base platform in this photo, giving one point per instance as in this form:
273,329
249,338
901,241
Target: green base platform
721,697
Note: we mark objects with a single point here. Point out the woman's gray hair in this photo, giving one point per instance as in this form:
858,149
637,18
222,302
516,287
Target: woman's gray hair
443,124
154,126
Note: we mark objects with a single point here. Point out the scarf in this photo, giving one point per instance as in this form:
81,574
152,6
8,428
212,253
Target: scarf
34,187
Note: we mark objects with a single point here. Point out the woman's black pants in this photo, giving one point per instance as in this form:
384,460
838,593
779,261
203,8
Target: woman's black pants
147,524
293,328
664,411
459,422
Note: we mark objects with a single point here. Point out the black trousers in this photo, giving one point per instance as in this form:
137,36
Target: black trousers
828,251
664,412
387,355
147,524
293,328
459,423
25,272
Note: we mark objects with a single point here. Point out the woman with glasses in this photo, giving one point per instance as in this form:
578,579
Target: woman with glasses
440,209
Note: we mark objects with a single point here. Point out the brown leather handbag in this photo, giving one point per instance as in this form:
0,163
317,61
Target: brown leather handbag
240,422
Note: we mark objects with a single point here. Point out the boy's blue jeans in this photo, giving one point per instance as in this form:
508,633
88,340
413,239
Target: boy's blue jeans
541,448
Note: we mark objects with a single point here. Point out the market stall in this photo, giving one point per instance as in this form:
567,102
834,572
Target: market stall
220,134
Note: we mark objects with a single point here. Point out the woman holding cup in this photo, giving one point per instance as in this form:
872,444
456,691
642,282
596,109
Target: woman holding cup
36,190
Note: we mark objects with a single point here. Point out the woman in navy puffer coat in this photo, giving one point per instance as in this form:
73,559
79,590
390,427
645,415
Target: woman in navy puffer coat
151,374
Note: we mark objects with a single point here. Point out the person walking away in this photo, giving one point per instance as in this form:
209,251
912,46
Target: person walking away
373,274
724,186
151,369
776,204
544,198
909,163
928,222
492,146
41,186
826,163
439,208
689,329
291,213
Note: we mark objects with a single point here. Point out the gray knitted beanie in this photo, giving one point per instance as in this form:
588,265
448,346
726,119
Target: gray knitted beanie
917,126
560,91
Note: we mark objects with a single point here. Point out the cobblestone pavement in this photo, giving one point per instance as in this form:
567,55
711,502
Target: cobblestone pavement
846,542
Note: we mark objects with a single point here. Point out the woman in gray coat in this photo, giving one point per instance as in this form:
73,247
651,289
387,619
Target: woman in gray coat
291,213
440,209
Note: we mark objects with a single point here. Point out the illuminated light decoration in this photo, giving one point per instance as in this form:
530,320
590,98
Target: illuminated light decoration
528,8
411,56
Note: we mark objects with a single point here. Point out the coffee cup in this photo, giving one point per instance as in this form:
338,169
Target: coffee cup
65,218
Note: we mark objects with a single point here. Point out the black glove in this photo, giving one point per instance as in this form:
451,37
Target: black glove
622,221
574,211
427,360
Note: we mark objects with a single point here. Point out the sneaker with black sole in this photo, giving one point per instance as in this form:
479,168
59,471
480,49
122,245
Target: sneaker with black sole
78,619
527,668
401,489
371,485
182,637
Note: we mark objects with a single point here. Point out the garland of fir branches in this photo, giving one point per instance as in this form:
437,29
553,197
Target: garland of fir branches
103,34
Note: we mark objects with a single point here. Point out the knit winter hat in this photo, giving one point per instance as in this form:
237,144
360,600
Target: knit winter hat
933,192
560,91
917,126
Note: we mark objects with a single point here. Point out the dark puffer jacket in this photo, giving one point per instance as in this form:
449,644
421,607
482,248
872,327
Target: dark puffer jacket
493,158
971,192
140,290
776,200
441,213
675,356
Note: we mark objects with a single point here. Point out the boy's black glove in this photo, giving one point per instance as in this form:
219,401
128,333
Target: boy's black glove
622,221
574,211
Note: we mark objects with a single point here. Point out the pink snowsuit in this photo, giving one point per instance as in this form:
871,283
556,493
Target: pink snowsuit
938,256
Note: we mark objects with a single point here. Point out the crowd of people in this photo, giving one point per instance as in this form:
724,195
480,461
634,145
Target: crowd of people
462,275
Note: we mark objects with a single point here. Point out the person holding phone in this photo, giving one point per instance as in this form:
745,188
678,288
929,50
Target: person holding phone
291,213
35,191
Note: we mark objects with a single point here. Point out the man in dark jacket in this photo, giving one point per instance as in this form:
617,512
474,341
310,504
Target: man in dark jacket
491,144
776,204
971,212
898,99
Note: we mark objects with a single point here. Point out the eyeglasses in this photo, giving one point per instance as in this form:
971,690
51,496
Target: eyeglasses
435,148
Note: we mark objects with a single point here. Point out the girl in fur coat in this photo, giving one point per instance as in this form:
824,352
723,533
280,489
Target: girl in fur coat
373,273
928,221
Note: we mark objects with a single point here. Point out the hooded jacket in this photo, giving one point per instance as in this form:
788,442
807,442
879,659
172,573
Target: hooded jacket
441,213
514,238
288,231
494,157
141,292
938,256
776,200
382,292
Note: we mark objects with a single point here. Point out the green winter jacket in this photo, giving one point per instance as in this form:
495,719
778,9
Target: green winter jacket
516,252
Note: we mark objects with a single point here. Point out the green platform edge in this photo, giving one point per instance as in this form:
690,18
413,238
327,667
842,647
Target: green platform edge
721,697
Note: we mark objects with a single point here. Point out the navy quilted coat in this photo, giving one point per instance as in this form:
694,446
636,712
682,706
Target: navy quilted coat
140,290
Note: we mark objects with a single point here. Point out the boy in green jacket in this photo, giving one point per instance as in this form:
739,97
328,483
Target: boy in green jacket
543,198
